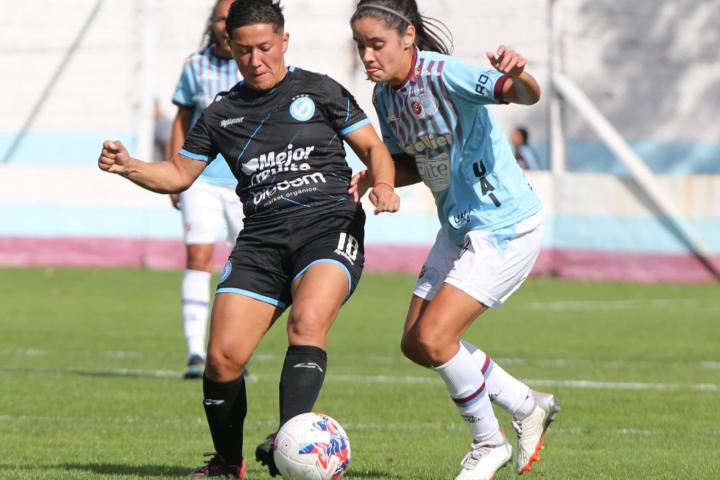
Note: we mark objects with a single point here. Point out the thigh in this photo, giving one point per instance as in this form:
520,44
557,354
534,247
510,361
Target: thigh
202,212
317,298
237,324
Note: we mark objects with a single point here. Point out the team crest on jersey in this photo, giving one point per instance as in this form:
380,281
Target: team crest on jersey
302,108
423,105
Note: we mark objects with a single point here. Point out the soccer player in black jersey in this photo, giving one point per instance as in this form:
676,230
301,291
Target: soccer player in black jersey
281,131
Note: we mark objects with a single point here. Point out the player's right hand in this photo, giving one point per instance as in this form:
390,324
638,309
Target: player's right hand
114,157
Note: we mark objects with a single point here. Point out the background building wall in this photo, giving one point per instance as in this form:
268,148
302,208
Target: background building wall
651,68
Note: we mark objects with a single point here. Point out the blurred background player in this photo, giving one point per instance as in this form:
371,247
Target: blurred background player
434,121
210,203
524,153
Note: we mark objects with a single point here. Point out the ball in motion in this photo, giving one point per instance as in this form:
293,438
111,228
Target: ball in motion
312,446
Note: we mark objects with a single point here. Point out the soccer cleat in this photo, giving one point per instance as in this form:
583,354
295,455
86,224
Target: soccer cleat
483,460
264,455
195,366
531,431
216,467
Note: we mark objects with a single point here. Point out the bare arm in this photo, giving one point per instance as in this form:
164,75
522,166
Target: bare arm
406,173
520,87
172,176
180,126
373,153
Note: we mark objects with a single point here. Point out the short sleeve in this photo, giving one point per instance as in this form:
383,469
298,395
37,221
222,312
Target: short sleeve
341,108
198,143
473,84
186,87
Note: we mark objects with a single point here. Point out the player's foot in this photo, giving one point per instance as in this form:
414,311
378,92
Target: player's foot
219,469
195,366
483,460
531,431
264,454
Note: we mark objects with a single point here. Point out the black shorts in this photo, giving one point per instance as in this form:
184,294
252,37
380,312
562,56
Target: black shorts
268,257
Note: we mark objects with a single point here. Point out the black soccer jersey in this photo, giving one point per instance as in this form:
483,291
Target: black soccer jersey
284,146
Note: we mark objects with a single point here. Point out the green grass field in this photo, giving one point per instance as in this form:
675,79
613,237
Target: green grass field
91,360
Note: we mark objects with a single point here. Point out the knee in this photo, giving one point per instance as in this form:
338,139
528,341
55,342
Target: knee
307,327
409,348
199,257
435,345
222,365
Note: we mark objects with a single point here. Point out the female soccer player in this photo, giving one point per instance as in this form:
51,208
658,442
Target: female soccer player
281,131
434,121
210,202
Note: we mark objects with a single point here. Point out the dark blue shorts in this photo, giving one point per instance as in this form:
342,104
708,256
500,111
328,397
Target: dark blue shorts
268,256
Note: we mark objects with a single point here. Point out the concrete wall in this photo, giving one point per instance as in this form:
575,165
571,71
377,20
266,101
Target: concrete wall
651,68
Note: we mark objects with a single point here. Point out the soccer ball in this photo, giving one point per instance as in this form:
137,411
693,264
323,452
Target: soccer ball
311,446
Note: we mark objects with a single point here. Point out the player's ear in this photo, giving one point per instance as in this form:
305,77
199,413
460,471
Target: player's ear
285,41
408,39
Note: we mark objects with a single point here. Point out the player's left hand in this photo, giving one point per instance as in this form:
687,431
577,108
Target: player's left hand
507,61
384,198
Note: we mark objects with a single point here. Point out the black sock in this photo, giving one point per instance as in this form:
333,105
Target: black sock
301,379
225,408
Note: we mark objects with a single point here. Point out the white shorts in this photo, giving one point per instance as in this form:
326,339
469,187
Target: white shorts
208,210
491,265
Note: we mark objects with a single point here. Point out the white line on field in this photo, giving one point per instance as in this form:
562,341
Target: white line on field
399,359
619,304
389,379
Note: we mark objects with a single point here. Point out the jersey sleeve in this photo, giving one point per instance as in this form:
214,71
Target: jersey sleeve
473,84
198,143
388,138
341,108
186,87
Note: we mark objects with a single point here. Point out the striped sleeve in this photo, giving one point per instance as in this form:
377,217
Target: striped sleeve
473,84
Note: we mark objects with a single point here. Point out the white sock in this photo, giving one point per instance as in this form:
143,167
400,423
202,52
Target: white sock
507,391
466,386
195,307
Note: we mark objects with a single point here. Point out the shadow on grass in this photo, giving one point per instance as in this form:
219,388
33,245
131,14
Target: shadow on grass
98,373
369,474
130,470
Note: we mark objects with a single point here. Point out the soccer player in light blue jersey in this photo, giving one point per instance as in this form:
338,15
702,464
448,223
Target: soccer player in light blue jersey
434,120
211,202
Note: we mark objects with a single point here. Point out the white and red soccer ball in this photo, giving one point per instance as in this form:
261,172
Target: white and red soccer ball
312,446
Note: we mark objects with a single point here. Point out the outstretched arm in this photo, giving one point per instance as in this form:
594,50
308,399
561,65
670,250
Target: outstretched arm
180,126
406,173
172,176
520,87
372,151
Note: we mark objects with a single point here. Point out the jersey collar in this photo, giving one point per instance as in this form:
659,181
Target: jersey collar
413,73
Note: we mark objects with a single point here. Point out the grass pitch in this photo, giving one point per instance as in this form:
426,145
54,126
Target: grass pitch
91,360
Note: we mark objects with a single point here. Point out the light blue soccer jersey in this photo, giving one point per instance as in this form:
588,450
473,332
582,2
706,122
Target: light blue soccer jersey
202,77
462,153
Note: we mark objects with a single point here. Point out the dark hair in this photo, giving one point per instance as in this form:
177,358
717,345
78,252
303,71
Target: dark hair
431,34
523,134
208,39
251,12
